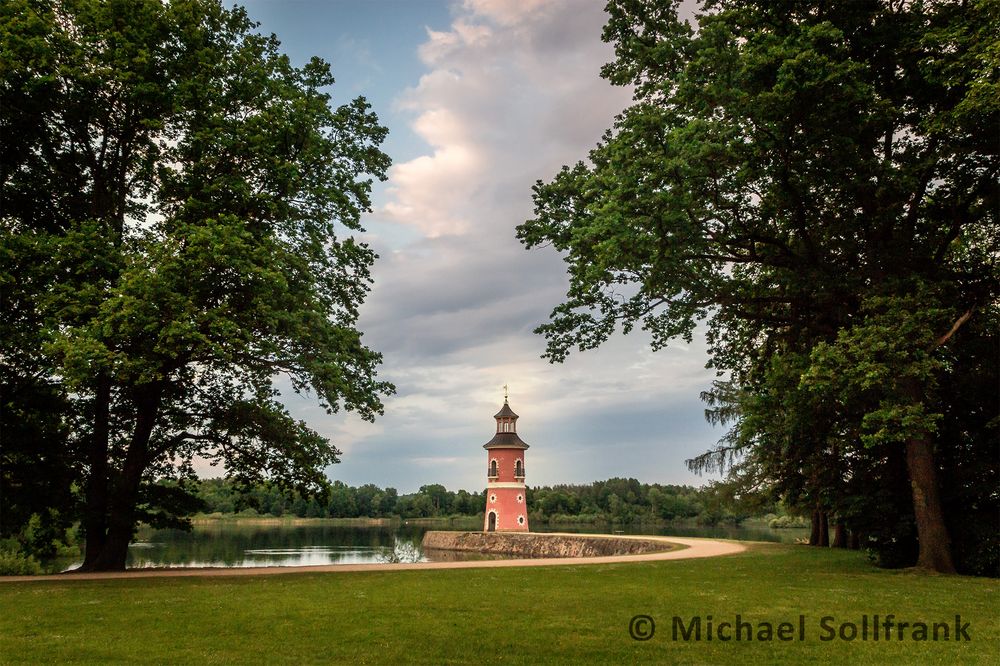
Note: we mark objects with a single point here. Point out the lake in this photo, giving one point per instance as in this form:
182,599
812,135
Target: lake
233,544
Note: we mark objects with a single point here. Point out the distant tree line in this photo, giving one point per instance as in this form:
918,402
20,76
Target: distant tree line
615,500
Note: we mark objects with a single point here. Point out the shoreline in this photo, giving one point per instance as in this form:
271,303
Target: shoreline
689,548
233,518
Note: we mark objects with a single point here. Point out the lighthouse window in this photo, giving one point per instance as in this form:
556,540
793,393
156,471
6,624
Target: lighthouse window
493,468
518,468
520,498
520,520
493,498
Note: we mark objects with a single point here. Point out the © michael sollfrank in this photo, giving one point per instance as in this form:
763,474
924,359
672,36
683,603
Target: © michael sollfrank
884,628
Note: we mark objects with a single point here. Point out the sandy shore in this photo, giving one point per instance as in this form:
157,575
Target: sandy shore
691,548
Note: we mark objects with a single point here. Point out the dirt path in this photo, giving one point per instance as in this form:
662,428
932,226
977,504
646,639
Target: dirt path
693,548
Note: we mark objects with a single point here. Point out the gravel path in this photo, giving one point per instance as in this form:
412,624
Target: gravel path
693,548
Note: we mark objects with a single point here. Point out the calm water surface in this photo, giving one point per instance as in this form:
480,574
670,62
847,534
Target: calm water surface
267,545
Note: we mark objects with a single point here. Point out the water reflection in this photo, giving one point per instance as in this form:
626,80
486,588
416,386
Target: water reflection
744,533
226,544
241,545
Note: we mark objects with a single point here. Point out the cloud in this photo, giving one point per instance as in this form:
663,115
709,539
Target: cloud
511,92
510,13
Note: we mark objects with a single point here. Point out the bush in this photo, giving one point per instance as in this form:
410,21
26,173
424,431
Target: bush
540,518
787,522
15,563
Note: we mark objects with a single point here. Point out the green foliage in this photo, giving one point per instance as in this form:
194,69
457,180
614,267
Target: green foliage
14,562
190,202
816,185
41,542
36,468
878,361
785,522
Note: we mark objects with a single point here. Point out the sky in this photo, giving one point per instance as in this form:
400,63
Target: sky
482,98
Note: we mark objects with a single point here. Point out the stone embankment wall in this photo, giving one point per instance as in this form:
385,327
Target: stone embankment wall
520,544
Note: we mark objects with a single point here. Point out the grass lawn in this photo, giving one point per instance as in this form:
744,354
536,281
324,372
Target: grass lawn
577,614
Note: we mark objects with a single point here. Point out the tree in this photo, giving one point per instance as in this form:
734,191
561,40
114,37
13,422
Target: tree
190,186
36,472
791,173
342,502
366,497
439,496
387,503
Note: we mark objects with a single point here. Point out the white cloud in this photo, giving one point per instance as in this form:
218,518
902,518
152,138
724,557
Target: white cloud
512,92
509,12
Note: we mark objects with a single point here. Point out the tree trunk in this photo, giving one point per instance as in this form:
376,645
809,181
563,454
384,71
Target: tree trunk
115,551
109,550
932,534
108,201
121,522
839,536
95,519
814,533
824,530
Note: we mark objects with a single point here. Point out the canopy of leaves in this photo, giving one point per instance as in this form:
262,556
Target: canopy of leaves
818,183
180,210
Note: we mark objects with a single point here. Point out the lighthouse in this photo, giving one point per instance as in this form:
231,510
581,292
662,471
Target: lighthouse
506,497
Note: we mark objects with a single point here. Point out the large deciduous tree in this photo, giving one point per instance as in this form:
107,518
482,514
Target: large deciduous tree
819,181
187,198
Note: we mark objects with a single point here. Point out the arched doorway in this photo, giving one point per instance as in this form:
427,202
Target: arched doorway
491,525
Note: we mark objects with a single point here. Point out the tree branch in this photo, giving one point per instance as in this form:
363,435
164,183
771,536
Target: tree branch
954,327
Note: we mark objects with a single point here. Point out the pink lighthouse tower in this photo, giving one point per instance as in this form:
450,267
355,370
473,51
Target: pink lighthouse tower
506,502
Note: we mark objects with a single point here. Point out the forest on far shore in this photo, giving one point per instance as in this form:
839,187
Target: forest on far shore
613,501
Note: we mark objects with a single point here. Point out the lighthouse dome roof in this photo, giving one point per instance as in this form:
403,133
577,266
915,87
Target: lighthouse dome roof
506,440
505,412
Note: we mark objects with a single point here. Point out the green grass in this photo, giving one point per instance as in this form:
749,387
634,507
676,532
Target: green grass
577,614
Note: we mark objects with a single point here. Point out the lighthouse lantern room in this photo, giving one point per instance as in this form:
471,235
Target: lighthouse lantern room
506,496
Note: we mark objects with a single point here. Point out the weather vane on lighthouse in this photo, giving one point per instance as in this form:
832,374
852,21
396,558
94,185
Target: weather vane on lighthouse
505,391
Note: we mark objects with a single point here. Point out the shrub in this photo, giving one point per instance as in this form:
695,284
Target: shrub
787,522
15,563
